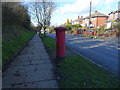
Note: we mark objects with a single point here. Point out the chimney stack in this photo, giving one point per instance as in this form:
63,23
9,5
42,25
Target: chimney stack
78,17
96,11
81,16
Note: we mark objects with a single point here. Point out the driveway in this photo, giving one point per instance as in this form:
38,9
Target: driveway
103,52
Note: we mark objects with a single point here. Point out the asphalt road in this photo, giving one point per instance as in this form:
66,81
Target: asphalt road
103,52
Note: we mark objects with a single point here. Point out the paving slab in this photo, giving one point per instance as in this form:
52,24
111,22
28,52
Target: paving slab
13,78
48,84
26,85
35,57
44,67
21,59
36,62
17,63
25,56
27,51
32,68
28,68
39,76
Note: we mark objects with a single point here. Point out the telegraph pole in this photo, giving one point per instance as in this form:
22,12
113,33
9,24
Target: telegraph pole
90,14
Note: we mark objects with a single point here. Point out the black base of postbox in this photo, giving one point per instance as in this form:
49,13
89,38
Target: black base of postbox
59,59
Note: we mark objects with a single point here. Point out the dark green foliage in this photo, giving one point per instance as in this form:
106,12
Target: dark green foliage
77,25
15,13
16,30
69,27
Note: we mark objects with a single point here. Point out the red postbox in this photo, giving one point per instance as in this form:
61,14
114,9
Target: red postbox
60,42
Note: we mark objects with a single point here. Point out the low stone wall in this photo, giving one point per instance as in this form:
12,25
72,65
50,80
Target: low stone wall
117,34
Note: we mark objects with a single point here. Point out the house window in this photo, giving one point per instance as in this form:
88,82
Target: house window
116,15
94,25
111,16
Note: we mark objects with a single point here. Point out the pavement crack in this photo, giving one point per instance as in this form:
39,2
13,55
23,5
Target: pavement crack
40,81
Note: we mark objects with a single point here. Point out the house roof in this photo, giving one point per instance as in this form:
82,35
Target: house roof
96,14
113,12
78,20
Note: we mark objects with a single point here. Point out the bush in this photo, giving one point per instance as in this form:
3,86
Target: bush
101,30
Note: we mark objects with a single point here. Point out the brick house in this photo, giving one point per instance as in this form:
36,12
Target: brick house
97,19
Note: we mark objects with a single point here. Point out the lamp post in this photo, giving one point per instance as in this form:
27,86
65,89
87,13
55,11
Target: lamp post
90,14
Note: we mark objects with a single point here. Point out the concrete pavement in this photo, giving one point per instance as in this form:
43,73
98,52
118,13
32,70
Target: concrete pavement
31,69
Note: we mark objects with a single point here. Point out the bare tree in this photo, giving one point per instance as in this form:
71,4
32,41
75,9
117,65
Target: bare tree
42,12
35,14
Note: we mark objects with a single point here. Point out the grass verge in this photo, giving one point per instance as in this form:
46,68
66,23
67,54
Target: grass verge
48,42
12,46
81,73
77,72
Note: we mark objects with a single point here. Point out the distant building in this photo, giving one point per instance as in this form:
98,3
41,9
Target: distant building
97,19
77,21
113,17
85,22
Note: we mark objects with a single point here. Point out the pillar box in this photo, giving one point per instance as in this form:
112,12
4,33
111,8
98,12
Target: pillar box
60,42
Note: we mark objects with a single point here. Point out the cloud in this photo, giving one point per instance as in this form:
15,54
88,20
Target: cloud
81,7
110,1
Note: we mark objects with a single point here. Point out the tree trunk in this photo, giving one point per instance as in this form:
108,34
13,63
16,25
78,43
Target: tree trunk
40,30
44,32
